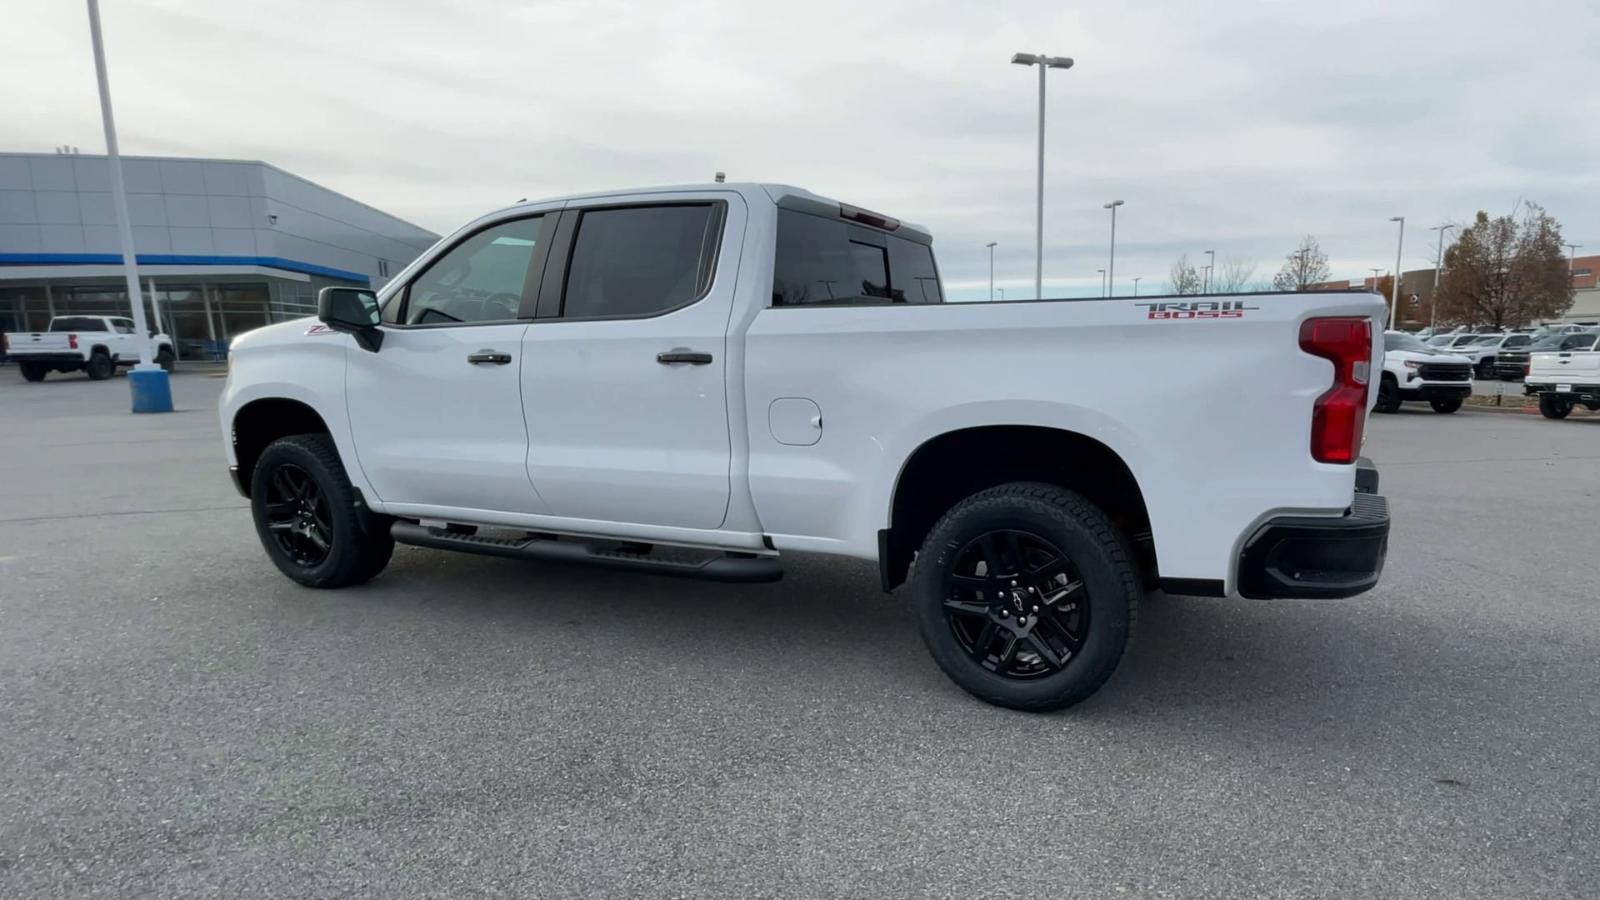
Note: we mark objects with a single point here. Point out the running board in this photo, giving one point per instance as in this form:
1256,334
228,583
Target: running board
748,570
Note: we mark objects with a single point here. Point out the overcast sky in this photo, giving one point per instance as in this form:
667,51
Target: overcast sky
1237,126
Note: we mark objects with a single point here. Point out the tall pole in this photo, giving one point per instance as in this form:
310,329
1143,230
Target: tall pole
1136,284
1212,264
1438,267
1102,281
1043,62
1572,258
1375,273
1038,214
991,270
1111,277
1394,294
119,195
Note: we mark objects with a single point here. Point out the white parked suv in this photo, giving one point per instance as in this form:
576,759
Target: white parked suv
98,345
701,381
1414,371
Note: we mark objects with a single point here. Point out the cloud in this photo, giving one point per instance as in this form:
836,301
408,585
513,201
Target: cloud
1236,127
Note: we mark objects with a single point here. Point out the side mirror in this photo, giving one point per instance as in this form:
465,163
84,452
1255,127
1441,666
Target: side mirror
353,311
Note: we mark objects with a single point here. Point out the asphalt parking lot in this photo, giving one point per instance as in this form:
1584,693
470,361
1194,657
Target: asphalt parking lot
177,719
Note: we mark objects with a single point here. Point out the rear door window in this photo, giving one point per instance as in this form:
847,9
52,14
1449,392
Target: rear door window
638,261
822,261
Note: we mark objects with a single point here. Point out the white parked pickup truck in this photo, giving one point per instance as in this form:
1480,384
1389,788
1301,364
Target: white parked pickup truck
703,380
1566,376
1413,370
95,344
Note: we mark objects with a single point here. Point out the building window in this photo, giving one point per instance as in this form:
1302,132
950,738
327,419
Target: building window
1582,273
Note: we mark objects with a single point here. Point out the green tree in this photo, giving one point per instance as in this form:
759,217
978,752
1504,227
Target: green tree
1505,272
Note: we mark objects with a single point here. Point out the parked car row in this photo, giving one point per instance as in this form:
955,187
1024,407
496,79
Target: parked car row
1561,368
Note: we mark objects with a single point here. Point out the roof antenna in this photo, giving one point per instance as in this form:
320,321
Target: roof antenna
721,177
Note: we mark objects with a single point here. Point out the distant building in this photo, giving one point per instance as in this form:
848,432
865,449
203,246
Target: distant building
223,245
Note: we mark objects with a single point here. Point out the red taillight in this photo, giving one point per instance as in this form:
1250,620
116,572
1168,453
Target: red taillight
72,341
1341,412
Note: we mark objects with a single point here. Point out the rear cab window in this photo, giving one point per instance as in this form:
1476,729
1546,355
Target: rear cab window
831,262
639,261
77,323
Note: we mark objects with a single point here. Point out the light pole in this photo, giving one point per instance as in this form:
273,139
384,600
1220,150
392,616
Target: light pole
1394,294
1375,274
1002,295
1111,278
990,245
152,392
1043,62
1102,281
1572,258
1438,266
1136,284
1209,266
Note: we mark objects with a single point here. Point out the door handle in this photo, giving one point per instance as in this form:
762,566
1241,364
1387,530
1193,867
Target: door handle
680,355
489,356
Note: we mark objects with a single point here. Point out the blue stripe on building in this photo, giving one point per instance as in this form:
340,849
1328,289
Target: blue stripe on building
171,259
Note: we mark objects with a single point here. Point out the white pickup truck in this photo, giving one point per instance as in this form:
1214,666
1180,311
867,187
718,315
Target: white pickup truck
703,380
1567,375
95,344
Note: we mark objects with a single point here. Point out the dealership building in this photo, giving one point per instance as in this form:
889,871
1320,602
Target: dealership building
224,246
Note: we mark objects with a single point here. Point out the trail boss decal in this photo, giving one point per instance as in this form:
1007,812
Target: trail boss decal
319,328
1196,309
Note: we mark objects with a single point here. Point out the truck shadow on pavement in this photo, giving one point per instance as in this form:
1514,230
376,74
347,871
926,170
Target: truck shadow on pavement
827,634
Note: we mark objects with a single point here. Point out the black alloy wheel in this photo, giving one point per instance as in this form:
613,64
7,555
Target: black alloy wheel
298,517
1016,604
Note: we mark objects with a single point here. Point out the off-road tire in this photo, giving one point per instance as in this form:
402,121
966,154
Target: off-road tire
33,371
1388,395
360,547
1445,407
1552,406
1094,546
100,367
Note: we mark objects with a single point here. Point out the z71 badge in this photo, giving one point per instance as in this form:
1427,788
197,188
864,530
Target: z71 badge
1196,309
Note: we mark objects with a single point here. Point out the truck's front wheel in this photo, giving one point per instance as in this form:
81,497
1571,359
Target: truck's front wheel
1026,594
1388,395
306,515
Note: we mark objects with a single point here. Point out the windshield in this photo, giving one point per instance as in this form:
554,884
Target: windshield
1399,340
1489,339
1440,340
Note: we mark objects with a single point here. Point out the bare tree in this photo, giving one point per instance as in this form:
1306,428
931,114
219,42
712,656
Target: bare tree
1234,277
1184,278
1306,266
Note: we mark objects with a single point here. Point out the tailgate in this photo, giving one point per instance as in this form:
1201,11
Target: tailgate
39,341
1567,366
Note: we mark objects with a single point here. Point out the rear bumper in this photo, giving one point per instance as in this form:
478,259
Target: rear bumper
1589,393
1319,557
64,359
1437,391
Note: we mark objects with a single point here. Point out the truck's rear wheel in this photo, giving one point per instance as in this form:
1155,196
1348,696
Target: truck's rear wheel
1026,595
100,367
33,371
307,519
1388,395
1554,406
165,359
